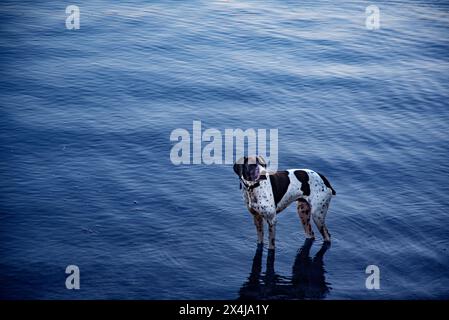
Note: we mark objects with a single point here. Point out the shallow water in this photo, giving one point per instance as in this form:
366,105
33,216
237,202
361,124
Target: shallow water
86,176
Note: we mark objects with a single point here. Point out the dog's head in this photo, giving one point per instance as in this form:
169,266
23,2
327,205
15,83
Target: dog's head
250,167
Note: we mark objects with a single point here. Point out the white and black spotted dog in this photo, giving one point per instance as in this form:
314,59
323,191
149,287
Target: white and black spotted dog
266,194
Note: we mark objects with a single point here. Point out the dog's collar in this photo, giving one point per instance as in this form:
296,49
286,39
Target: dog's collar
250,187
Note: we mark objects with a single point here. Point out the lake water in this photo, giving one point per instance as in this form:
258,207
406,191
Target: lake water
86,176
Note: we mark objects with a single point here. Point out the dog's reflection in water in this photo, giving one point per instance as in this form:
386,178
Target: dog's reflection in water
307,280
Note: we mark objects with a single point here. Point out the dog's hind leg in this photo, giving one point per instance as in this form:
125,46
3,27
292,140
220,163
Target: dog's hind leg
271,233
258,221
303,209
319,217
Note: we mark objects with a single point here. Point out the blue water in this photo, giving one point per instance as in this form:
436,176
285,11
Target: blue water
86,176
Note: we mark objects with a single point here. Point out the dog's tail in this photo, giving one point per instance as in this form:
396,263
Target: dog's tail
326,182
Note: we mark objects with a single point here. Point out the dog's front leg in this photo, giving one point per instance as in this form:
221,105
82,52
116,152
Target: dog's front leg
258,221
272,233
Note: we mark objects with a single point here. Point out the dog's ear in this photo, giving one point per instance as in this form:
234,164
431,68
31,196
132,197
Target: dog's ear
261,161
238,166
238,169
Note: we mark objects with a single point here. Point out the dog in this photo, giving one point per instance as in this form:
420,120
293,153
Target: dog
268,193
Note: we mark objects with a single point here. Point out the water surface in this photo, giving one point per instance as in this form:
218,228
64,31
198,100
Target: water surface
86,177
